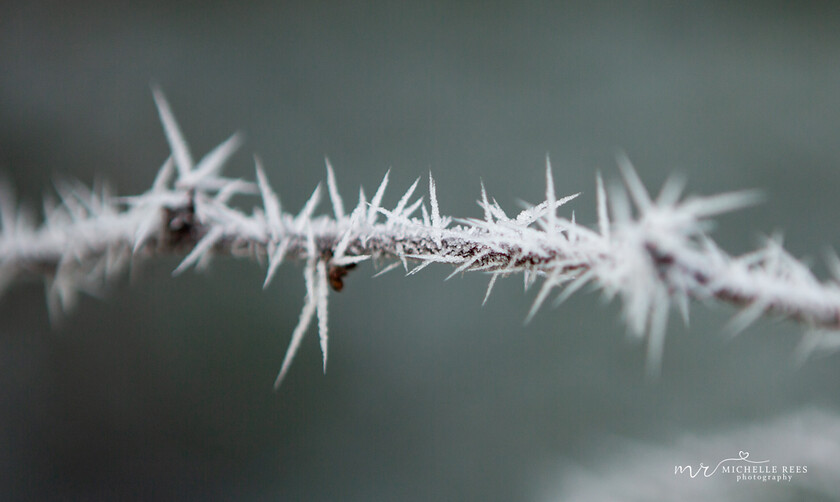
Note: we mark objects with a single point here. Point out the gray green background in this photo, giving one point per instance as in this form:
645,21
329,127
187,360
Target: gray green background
163,389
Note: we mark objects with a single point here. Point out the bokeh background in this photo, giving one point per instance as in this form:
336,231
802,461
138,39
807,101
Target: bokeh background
162,389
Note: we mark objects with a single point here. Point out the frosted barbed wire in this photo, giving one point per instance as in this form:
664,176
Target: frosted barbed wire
654,254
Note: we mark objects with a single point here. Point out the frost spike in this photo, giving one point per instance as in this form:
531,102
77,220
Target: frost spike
321,292
341,247
490,287
681,300
744,318
200,249
164,176
401,255
418,268
350,260
573,286
620,208
467,264
634,184
179,147
144,231
376,201
656,335
275,260
271,202
488,215
303,323
69,201
52,213
550,282
60,295
498,212
407,212
388,268
232,188
550,195
704,207
308,208
335,197
393,217
213,162
603,217
427,222
671,191
404,200
436,221
532,213
433,258
529,277
362,204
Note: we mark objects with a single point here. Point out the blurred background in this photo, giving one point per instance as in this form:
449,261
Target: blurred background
162,389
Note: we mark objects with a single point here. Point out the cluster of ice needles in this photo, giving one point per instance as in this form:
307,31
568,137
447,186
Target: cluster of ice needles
653,253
